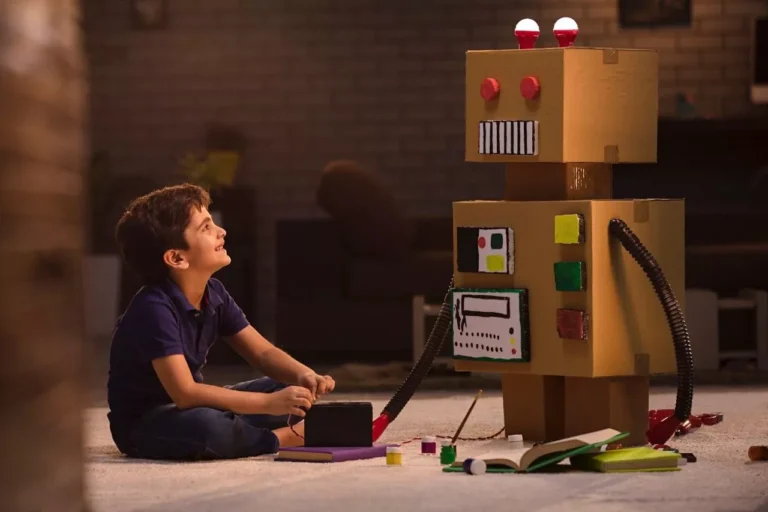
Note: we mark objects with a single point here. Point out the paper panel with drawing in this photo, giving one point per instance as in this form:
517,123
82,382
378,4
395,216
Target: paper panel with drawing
490,325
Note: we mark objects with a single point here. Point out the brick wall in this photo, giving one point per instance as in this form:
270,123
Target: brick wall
311,81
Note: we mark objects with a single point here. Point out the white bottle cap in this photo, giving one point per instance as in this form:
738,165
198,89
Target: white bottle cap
515,437
394,449
477,467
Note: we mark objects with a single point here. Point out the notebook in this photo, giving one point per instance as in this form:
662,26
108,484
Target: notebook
642,458
332,454
534,458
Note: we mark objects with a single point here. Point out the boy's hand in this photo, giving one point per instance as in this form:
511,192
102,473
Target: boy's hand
317,384
288,401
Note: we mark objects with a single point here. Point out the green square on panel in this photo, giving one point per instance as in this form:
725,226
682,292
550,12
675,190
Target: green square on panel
497,241
570,276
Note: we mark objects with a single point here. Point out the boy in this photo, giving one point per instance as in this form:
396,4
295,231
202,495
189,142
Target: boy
159,406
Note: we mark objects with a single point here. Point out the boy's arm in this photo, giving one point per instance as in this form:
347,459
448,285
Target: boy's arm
157,339
262,354
177,380
275,363
186,393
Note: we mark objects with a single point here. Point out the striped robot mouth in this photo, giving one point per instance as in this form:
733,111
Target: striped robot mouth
509,138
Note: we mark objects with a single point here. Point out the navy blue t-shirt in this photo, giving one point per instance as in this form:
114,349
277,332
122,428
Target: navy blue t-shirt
158,322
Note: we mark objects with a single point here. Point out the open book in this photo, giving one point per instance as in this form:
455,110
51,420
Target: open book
526,460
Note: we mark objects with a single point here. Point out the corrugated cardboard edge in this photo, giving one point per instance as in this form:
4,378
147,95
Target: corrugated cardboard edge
642,211
642,364
611,154
610,56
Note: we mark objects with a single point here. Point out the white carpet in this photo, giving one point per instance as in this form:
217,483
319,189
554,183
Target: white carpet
723,479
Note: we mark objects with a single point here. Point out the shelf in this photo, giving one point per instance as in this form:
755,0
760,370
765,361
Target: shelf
710,144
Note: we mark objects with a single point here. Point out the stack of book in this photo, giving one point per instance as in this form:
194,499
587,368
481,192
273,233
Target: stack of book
587,452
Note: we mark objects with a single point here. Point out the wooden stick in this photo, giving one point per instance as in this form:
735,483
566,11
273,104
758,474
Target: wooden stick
458,431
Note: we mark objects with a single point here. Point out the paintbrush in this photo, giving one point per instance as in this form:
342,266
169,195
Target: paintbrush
458,431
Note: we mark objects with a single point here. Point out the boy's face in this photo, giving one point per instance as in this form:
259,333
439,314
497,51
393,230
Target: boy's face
206,253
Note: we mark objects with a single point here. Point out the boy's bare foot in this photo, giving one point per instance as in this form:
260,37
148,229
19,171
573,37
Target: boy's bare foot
286,436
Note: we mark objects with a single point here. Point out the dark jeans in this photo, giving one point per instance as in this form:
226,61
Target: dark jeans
203,433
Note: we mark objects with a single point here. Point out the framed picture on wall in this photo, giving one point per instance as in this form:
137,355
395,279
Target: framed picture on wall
149,14
654,13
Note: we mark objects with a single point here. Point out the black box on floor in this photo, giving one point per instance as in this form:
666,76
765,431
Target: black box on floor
339,424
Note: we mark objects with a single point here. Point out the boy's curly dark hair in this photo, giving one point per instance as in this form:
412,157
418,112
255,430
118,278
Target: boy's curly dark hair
155,223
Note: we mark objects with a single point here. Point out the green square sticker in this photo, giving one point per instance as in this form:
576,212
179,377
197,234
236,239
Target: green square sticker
570,276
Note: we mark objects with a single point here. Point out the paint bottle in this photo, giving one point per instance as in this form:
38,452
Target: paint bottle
394,456
447,453
428,445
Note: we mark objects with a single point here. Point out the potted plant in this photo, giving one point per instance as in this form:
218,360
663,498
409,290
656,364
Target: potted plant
214,171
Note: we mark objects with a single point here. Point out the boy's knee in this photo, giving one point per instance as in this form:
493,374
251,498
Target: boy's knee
230,437
202,434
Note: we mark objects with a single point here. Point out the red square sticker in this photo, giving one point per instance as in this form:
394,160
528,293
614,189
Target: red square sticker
572,324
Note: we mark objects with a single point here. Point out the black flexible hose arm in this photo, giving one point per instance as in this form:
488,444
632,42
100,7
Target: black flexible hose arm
672,310
437,337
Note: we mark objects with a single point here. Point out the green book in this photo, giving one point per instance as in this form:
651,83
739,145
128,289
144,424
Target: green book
642,458
543,456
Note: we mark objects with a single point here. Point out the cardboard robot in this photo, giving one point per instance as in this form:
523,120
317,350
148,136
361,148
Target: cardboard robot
572,296
544,293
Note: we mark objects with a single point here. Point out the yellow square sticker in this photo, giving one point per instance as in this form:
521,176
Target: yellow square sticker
495,263
569,229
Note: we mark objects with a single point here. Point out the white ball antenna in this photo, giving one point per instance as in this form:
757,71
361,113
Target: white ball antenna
526,32
566,31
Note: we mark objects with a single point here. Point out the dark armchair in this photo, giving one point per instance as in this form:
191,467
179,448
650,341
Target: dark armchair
346,283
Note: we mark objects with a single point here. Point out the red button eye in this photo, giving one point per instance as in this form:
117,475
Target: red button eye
490,89
530,87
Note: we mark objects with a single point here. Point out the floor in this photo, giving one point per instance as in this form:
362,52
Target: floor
723,479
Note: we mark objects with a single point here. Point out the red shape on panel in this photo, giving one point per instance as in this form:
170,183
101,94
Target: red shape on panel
530,87
572,324
490,89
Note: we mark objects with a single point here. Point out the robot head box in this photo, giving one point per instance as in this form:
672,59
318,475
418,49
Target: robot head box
563,104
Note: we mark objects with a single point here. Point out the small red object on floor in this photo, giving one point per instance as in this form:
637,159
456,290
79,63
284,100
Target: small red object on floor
758,453
662,430
656,432
712,418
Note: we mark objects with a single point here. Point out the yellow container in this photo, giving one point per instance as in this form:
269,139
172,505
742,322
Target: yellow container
394,456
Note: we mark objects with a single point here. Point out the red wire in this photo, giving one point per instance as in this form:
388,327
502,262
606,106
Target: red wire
291,427
415,438
706,419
